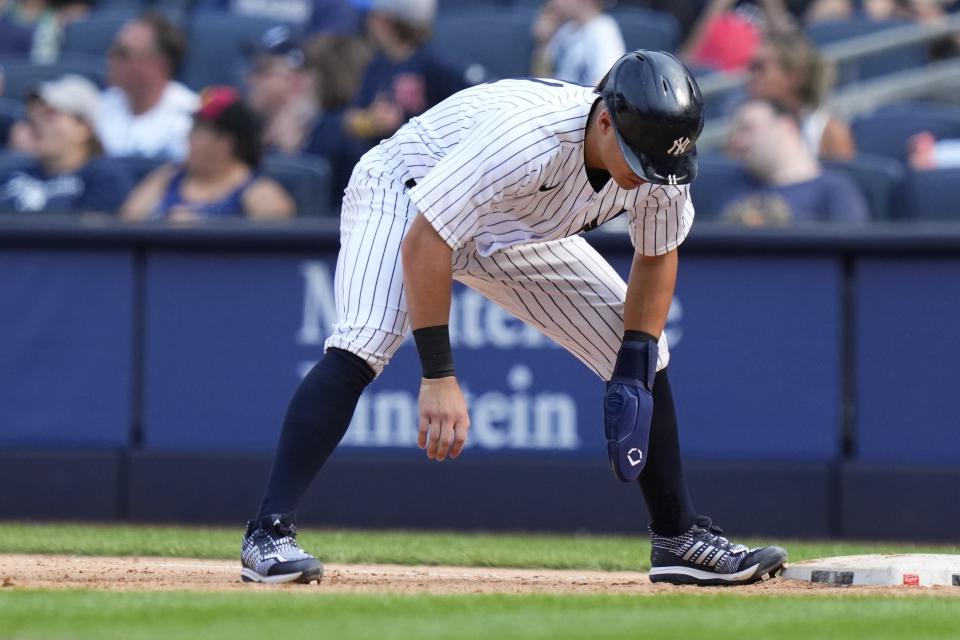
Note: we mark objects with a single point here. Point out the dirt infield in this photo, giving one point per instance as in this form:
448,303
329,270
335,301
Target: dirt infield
167,574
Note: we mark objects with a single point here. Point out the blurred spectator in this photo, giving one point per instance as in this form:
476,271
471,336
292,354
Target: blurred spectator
69,175
301,97
8,113
688,12
33,27
309,16
219,177
685,12
820,10
912,10
18,21
281,90
576,41
799,9
7,124
23,134
337,62
728,32
145,112
927,153
787,184
789,70
405,77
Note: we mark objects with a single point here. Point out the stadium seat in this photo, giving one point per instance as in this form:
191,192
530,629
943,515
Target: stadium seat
95,34
138,167
701,71
717,172
173,8
11,161
216,41
21,76
879,179
305,177
646,29
886,131
899,59
931,195
170,8
110,5
10,112
831,31
444,6
499,40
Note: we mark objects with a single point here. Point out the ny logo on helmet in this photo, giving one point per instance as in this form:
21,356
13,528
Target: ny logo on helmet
680,146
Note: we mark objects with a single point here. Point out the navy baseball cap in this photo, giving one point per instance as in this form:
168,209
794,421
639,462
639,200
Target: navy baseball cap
279,41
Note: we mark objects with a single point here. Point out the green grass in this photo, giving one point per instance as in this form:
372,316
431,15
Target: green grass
396,547
265,614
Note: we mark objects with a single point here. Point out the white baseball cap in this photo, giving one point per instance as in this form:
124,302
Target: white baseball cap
71,94
418,12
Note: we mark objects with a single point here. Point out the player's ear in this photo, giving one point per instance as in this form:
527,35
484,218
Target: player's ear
604,122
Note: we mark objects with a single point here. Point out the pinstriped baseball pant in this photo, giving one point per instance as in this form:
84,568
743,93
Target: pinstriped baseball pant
563,288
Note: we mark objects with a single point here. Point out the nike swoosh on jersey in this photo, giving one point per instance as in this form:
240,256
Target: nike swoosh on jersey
544,187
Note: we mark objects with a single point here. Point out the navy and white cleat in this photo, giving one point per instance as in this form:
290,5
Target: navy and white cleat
702,556
270,553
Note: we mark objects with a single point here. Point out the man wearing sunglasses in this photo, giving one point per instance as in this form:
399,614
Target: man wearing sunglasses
145,112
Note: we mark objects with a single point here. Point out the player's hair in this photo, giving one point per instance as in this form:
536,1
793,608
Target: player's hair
168,38
797,55
338,62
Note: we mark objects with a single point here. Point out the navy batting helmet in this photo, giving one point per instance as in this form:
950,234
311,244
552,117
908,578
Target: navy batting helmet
657,114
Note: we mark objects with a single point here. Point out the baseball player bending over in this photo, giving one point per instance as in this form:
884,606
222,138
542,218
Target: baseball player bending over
492,187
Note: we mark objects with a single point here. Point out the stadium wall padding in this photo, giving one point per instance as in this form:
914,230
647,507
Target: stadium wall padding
145,372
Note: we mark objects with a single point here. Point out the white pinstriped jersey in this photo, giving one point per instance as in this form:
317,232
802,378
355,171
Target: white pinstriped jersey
499,173
501,165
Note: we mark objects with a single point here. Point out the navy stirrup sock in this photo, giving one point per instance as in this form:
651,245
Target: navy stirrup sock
317,418
662,482
323,405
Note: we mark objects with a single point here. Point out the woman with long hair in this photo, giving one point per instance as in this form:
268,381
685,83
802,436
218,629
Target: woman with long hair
789,70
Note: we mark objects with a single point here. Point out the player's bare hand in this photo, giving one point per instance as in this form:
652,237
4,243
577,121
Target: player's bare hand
444,421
